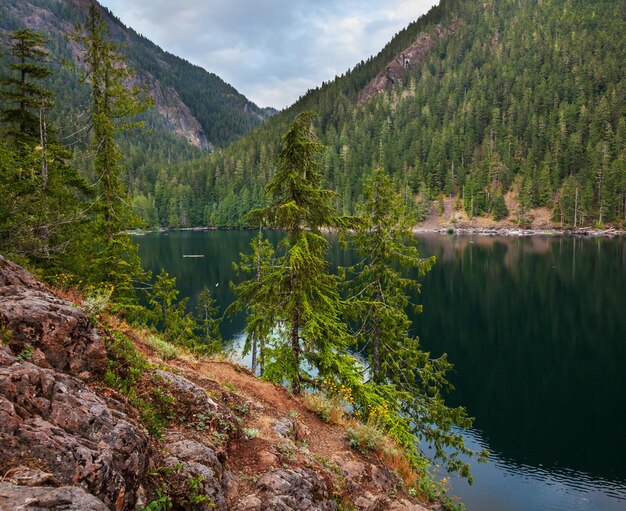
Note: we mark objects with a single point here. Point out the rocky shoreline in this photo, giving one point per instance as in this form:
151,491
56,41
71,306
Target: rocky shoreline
461,230
587,232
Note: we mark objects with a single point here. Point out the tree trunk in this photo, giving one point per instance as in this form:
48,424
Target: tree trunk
294,335
376,352
43,138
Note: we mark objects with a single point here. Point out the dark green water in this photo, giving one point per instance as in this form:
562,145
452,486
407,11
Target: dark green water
536,328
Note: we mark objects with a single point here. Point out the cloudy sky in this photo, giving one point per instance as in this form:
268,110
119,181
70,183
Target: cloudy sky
272,51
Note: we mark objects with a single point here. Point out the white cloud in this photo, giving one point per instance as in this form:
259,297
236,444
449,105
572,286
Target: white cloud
272,51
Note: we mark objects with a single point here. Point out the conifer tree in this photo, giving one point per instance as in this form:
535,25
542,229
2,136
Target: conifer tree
208,321
40,207
299,288
112,105
168,314
260,318
25,92
408,378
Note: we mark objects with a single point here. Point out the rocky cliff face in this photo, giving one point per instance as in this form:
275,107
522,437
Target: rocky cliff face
411,57
188,101
71,440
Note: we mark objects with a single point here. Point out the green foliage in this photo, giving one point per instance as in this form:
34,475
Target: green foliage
26,353
176,492
208,322
249,299
364,437
26,96
493,101
406,386
40,210
128,372
112,105
499,208
300,296
97,301
164,349
169,314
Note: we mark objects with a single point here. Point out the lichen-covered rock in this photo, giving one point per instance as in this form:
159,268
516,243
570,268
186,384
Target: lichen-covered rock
30,476
290,490
181,386
370,502
13,275
405,505
61,334
67,498
283,428
55,419
192,460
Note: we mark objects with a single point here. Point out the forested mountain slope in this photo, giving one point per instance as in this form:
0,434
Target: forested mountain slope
475,100
192,106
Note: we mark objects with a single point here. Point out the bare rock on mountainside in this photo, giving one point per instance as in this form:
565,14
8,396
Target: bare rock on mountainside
32,318
397,69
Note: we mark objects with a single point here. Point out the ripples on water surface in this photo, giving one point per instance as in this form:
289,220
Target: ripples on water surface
536,328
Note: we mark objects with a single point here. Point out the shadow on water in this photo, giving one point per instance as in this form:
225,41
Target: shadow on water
536,330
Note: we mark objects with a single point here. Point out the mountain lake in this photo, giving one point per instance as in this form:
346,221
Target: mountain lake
536,329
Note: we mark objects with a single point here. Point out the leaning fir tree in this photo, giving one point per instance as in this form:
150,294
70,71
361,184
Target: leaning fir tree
412,382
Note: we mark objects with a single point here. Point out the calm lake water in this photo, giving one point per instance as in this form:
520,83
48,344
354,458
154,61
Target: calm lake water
536,328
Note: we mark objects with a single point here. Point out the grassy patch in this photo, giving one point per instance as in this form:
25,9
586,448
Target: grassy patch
164,349
328,409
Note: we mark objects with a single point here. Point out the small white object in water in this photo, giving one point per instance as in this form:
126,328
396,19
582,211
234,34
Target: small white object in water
193,255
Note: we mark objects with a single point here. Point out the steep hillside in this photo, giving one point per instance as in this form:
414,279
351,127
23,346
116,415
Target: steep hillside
478,101
96,416
189,102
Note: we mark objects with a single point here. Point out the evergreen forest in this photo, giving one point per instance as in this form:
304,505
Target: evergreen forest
521,98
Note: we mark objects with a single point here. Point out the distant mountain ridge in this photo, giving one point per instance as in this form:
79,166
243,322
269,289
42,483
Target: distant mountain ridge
504,106
189,102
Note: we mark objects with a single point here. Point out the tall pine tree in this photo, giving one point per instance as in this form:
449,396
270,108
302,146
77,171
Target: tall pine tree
41,207
299,288
113,106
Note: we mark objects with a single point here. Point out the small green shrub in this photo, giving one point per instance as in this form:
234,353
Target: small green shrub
98,301
129,373
250,433
329,409
364,437
26,353
164,349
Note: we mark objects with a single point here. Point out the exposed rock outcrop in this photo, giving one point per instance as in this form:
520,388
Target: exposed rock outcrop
59,335
70,442
53,419
193,460
196,396
67,498
398,68
290,490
